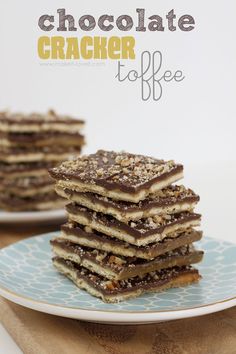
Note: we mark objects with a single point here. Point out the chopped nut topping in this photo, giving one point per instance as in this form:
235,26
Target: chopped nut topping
112,285
126,162
100,172
132,224
157,218
101,256
119,168
88,229
116,260
33,118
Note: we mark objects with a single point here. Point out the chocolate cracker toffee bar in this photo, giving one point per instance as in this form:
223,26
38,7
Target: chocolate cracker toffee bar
29,146
117,267
120,176
35,122
22,154
41,139
87,237
45,201
129,231
139,232
25,169
169,200
28,186
115,291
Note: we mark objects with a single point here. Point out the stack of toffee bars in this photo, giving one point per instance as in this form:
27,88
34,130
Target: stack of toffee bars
29,146
129,230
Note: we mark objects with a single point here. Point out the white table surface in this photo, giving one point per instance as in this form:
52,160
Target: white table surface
217,189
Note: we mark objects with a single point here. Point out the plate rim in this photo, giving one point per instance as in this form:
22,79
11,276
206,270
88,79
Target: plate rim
30,216
110,316
121,316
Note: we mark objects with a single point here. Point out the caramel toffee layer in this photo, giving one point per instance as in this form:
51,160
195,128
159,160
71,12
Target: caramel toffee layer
115,291
41,139
38,202
172,199
139,232
20,154
118,268
84,236
17,122
120,176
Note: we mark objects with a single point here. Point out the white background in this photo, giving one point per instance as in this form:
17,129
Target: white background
195,119
193,123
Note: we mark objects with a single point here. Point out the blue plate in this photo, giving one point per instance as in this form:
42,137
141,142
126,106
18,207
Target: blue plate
27,277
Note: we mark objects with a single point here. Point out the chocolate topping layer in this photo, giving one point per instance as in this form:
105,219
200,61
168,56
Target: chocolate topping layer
167,196
9,168
26,183
32,137
114,267
94,239
46,138
120,171
20,150
16,202
36,118
139,229
104,287
166,200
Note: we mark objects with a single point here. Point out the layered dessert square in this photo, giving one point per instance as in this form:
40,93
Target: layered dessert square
130,230
30,144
